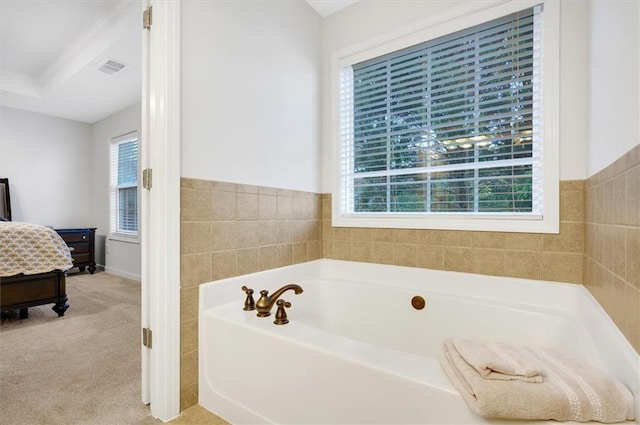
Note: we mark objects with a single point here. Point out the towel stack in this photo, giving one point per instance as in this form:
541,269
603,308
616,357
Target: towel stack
506,381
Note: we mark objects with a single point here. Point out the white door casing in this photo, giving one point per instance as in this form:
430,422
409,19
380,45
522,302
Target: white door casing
161,209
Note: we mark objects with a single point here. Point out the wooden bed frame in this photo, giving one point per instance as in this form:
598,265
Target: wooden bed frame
20,292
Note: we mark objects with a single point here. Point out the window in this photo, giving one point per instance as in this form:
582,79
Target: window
446,131
124,186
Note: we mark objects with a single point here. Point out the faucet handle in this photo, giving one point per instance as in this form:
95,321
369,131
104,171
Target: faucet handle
249,303
281,314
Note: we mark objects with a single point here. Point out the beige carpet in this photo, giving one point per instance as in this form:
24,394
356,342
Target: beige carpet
83,368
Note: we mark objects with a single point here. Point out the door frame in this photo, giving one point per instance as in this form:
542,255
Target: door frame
161,208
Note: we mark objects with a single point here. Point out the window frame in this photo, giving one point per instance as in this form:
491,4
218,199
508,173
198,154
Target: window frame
114,233
454,20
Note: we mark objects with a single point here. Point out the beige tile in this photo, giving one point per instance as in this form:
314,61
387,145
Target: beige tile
571,185
430,257
286,193
599,204
268,257
197,415
263,190
195,205
246,188
314,250
589,204
341,234
381,235
618,200
524,241
429,237
313,230
632,206
457,238
285,254
195,237
188,396
458,259
304,208
327,249
284,231
224,235
267,207
247,206
523,264
188,183
404,236
572,206
326,209
248,234
189,303
382,252
342,250
327,230
267,233
194,269
614,249
405,254
607,199
188,336
570,238
248,260
299,252
223,205
361,234
489,261
562,267
632,263
361,251
188,368
223,264
284,207
299,228
495,240
618,302
223,186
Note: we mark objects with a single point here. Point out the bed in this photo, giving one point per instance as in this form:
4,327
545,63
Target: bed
33,264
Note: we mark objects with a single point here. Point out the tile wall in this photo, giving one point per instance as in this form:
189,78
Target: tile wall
612,248
231,229
527,255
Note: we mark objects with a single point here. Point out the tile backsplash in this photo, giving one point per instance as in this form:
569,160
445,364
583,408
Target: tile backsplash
526,255
232,229
612,248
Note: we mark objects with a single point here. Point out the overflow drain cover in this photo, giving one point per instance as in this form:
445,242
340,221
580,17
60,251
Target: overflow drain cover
418,302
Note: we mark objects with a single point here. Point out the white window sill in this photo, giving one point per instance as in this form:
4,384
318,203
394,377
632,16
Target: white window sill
120,237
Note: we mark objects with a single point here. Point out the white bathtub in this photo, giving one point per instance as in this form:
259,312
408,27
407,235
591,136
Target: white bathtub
356,352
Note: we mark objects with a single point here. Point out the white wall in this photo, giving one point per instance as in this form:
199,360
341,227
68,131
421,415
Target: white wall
251,81
47,162
614,63
121,258
369,19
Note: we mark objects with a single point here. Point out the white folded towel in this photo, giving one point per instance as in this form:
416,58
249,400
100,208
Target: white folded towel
565,390
498,361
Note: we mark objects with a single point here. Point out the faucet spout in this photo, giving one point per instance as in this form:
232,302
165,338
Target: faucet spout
266,301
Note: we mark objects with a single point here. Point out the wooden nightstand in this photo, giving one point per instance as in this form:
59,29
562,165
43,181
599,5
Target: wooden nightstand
82,245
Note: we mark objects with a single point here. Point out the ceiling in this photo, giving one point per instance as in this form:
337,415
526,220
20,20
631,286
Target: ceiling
51,52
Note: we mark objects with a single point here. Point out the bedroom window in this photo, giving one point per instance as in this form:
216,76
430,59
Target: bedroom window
124,186
448,130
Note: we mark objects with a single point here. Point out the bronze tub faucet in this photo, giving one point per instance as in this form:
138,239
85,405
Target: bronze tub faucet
266,301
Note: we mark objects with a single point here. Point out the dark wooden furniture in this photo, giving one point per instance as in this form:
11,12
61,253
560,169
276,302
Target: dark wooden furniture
5,200
82,244
20,292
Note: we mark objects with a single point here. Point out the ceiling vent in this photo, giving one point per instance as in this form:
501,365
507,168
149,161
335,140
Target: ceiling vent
110,66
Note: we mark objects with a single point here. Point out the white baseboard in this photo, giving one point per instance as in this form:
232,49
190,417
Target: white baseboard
122,273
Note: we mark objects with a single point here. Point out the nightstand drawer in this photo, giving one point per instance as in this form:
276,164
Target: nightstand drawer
81,243
76,237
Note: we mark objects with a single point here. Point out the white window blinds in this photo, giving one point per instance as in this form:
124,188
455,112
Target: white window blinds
124,185
452,125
